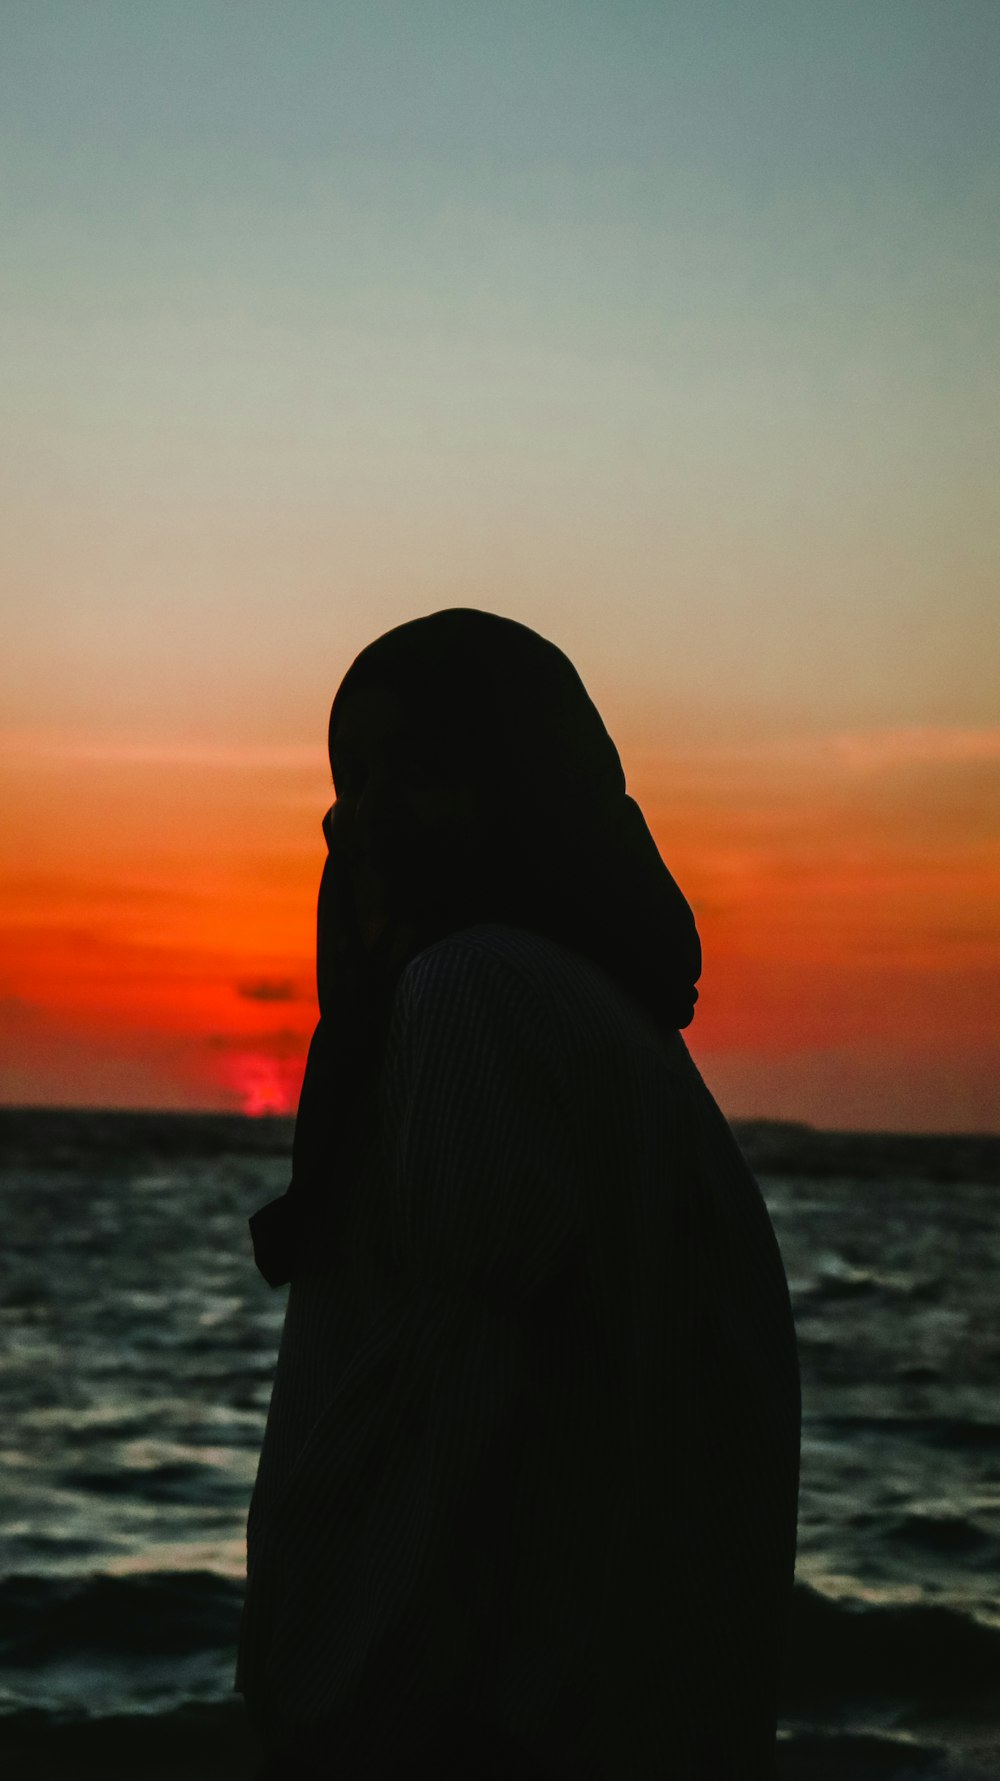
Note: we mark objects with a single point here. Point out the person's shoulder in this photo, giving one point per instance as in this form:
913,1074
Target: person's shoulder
488,959
499,991
478,1000
561,990
497,953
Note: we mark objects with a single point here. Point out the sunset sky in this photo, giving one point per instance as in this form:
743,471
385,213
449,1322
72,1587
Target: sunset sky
669,329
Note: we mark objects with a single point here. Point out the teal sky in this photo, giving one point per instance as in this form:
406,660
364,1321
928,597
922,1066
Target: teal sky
668,328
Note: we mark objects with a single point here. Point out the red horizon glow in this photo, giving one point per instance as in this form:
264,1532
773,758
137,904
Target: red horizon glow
847,914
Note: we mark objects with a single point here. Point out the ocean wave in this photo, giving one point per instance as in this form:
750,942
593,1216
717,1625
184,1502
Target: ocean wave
217,1740
924,1653
950,1432
47,1619
824,1755
842,1649
96,1646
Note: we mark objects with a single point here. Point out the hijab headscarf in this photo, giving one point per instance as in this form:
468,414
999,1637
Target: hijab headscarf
554,844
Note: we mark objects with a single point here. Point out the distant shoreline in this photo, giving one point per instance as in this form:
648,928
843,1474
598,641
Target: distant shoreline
33,1134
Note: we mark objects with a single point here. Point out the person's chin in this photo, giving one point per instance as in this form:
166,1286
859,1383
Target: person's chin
390,937
372,930
380,932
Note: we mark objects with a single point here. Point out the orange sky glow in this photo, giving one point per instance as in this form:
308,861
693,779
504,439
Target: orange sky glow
160,943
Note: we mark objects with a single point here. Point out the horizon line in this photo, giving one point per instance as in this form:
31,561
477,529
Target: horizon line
746,1119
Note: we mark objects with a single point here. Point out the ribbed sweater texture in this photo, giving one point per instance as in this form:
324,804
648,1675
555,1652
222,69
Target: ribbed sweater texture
527,1497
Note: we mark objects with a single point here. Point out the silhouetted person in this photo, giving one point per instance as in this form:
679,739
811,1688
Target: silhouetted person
526,1504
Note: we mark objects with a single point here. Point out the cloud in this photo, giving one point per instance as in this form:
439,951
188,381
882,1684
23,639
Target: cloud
50,745
268,989
285,1043
17,1011
919,743
901,746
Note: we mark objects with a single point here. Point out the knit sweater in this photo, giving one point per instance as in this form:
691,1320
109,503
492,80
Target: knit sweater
526,1503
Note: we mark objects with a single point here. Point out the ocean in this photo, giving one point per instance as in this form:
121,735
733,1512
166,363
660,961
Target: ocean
137,1348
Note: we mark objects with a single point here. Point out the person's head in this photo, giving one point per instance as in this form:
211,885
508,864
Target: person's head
475,781
394,797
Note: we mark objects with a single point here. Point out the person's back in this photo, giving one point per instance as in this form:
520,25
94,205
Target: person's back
661,1482
526,1504
592,1339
